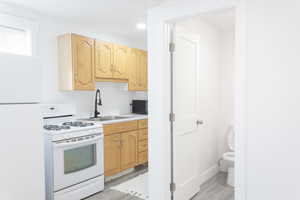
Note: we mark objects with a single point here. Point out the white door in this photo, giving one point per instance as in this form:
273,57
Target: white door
186,108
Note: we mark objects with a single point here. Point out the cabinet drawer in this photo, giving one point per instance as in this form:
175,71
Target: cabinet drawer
143,157
143,123
143,134
120,127
143,145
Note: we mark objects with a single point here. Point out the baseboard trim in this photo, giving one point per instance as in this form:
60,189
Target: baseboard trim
209,173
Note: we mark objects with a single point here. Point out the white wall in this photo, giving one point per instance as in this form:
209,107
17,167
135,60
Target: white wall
115,98
227,63
273,96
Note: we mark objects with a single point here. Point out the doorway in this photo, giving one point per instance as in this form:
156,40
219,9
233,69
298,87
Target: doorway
203,96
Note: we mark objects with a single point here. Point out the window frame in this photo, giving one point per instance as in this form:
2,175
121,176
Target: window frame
23,24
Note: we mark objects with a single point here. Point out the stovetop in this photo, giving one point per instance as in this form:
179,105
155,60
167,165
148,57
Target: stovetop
68,126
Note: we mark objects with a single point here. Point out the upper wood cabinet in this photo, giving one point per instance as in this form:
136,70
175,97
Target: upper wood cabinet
76,62
120,62
104,59
138,70
143,78
134,56
83,61
111,62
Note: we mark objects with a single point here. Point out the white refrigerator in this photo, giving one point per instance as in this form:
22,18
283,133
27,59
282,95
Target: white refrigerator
21,142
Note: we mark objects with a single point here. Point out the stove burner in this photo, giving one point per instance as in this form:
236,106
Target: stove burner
77,124
56,127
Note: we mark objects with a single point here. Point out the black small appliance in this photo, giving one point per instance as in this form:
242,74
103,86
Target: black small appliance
139,106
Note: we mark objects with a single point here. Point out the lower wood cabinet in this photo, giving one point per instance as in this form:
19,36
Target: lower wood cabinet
125,146
129,150
143,157
112,154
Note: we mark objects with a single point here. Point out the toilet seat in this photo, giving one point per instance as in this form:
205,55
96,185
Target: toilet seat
229,156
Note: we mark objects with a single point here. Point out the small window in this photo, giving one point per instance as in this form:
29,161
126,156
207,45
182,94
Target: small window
15,41
16,35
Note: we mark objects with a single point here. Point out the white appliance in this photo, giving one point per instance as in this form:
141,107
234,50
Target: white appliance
73,154
21,144
229,157
20,80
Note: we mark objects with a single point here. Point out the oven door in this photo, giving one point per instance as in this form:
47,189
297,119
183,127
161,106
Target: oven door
77,160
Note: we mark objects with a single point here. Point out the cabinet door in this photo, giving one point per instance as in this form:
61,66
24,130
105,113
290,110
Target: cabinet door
83,62
120,62
143,71
129,150
134,60
112,154
103,59
143,157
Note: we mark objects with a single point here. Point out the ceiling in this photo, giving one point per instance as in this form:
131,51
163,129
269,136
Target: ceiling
117,16
224,19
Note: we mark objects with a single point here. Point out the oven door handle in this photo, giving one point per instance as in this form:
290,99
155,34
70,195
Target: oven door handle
66,144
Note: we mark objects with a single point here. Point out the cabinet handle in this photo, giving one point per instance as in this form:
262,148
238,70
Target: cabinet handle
199,122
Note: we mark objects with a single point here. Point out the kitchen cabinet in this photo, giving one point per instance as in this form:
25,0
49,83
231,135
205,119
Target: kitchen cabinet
120,69
143,71
143,141
111,62
76,62
112,154
138,70
104,52
126,146
83,61
129,150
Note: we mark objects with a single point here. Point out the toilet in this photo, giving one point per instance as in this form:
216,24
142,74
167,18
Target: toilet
229,157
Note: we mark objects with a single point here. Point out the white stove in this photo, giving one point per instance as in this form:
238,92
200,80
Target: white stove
74,154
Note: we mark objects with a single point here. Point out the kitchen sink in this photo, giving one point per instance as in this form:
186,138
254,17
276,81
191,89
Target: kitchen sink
108,118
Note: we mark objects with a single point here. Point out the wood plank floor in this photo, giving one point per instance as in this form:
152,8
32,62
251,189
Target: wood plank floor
216,189
213,189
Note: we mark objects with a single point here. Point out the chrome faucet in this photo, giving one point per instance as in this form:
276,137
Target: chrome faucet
98,102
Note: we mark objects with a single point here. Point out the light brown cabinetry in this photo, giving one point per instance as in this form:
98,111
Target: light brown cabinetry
138,70
76,62
83,61
143,141
120,62
126,146
112,154
104,53
111,62
129,150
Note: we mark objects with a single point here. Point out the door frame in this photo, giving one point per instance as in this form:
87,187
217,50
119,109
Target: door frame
160,20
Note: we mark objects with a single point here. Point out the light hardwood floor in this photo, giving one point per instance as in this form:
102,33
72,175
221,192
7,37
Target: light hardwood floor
214,189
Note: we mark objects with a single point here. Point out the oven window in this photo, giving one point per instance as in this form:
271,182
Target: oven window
79,158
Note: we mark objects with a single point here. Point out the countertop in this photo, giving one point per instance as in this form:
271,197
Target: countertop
132,118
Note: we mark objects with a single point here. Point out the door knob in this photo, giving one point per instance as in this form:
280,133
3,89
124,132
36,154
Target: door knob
199,122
